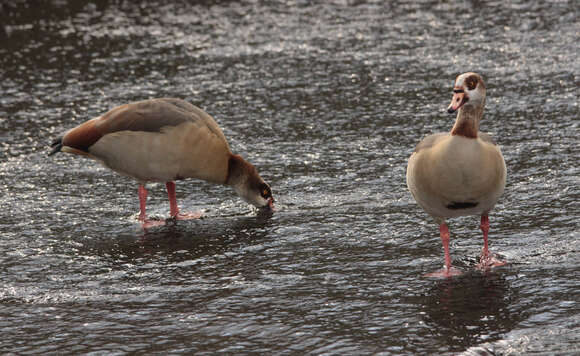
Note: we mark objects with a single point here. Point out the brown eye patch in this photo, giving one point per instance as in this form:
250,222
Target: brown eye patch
265,191
471,82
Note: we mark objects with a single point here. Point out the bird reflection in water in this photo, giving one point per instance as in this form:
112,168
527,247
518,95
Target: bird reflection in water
473,308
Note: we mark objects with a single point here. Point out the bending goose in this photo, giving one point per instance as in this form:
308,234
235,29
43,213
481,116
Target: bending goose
461,172
163,140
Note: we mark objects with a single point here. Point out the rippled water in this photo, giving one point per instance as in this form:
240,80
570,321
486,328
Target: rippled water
328,101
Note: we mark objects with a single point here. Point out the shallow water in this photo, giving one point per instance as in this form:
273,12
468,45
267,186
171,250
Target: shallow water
328,101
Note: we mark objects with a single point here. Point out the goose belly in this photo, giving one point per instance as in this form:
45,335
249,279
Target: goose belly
146,156
457,177
184,151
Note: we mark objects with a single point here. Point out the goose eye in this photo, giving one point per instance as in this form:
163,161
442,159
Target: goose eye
265,191
471,82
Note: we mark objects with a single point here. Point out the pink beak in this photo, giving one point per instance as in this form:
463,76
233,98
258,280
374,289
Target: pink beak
271,204
459,98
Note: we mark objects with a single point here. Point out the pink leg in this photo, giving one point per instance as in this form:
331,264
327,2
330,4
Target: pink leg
444,232
173,209
448,271
485,228
142,202
487,260
145,223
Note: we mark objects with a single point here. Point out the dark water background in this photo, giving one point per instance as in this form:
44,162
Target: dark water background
328,100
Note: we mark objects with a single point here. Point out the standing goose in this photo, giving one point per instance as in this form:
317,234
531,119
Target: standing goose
461,172
163,140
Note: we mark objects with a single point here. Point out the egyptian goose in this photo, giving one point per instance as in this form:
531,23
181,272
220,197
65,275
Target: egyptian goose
163,140
461,172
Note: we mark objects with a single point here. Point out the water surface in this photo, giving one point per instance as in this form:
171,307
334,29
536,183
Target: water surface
328,101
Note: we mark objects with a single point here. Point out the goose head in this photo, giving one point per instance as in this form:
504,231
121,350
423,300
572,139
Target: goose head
256,192
468,92
248,184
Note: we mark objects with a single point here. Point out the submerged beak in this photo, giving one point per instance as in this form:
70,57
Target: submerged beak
270,206
271,203
459,98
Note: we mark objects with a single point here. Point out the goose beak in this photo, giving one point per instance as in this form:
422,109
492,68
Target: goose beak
459,98
270,205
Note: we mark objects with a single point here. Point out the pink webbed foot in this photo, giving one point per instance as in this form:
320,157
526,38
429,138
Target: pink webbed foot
187,216
174,210
487,261
445,273
147,223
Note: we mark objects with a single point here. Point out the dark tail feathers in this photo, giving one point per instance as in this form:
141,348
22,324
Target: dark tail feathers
56,146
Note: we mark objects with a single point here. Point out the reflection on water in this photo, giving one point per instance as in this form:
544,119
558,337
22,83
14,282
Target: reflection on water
472,309
328,100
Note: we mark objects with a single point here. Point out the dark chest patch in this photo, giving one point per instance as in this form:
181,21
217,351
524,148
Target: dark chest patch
461,205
